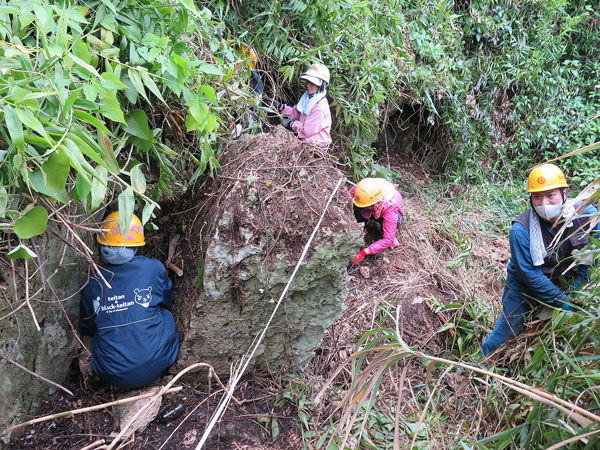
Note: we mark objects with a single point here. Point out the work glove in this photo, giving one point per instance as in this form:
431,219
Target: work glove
287,123
272,102
361,255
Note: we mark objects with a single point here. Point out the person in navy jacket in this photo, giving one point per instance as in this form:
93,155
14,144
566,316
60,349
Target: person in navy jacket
133,336
536,268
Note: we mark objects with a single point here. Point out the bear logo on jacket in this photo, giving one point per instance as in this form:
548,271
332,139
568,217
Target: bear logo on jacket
143,296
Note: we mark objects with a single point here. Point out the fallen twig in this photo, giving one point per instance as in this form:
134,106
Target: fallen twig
16,364
97,445
83,410
164,390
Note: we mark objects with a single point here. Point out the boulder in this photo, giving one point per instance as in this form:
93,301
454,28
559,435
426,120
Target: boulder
262,209
47,352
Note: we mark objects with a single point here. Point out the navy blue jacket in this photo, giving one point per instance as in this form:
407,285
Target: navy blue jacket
134,337
523,276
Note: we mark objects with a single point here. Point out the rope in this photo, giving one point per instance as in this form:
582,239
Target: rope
225,401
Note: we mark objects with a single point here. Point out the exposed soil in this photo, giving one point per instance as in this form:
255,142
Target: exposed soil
412,277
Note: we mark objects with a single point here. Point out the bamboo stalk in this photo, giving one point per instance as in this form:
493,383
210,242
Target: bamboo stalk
35,321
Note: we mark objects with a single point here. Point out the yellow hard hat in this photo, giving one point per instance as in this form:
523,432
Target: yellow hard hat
368,192
111,232
545,178
247,52
316,74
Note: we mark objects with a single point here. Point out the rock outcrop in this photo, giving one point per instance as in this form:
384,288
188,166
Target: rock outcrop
47,352
265,204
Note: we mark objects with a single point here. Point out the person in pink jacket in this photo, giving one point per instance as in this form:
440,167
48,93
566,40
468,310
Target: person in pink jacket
377,198
310,118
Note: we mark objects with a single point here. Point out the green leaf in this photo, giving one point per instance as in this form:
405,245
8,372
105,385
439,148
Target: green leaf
3,202
98,124
111,81
150,84
21,252
126,203
78,162
37,181
69,102
137,126
99,187
32,223
82,187
15,129
189,5
81,63
110,107
138,181
147,212
57,168
136,80
198,110
110,6
28,119
210,69
109,154
209,92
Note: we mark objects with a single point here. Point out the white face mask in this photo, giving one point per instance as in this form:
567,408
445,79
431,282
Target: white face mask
548,212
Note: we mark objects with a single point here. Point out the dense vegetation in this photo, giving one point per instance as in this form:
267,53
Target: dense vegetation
133,100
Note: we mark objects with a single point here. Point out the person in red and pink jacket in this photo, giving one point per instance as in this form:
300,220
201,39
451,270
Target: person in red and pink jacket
310,118
377,198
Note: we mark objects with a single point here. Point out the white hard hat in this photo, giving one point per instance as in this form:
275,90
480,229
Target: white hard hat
316,74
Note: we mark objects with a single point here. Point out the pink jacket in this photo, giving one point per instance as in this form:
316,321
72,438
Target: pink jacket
389,211
314,128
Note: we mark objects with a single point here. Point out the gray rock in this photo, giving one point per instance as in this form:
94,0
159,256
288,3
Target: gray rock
49,351
247,264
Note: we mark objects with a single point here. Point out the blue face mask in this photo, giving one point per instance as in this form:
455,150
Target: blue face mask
117,255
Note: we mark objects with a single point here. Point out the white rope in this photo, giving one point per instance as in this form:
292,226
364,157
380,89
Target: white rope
225,400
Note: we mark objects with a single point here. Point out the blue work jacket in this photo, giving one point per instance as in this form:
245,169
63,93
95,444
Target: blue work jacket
134,337
524,277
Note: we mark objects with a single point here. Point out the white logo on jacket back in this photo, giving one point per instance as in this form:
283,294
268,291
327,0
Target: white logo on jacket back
143,296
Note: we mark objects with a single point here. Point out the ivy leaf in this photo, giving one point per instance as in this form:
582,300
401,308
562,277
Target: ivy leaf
37,181
32,223
57,168
137,126
138,181
21,252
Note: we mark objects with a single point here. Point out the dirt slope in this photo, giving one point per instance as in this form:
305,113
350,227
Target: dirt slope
414,276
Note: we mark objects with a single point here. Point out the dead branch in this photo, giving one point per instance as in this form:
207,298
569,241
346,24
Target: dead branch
74,412
16,364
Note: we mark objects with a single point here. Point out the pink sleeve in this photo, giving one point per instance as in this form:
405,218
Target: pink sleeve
313,124
390,223
352,191
291,112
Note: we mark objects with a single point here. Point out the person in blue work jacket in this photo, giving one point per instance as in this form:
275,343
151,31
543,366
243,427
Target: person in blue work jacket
536,268
129,328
